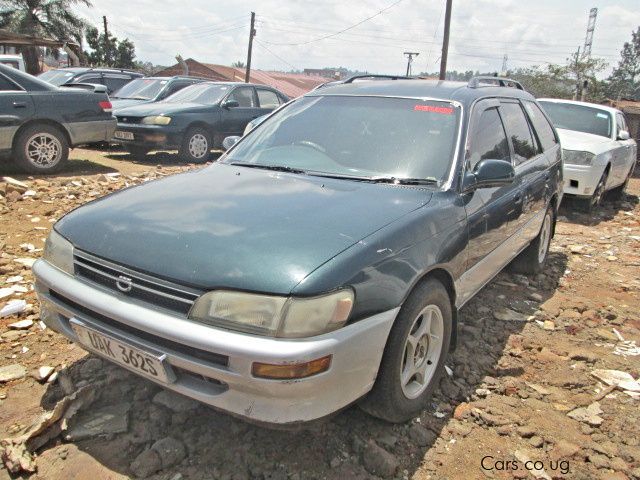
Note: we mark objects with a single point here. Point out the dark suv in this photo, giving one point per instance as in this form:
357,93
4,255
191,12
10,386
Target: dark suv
323,259
114,79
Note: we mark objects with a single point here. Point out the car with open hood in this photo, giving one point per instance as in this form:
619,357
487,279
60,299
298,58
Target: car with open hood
322,260
599,154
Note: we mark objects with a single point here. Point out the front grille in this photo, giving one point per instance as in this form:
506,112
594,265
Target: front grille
160,342
131,120
156,292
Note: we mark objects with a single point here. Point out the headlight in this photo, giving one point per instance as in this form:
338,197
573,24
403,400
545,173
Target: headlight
272,315
573,157
58,251
156,120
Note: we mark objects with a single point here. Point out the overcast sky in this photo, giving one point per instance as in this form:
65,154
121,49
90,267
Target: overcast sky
290,33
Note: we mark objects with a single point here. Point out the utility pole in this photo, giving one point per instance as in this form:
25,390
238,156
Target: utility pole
445,41
252,33
410,56
106,40
577,92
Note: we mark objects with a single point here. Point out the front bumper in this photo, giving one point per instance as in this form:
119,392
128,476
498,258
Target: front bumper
581,180
152,136
223,379
91,132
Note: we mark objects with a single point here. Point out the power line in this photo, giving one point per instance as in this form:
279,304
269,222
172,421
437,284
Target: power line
324,37
274,54
186,36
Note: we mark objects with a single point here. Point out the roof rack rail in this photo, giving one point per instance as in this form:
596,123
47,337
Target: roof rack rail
476,82
375,76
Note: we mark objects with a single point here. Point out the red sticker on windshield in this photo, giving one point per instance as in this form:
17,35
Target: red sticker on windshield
429,108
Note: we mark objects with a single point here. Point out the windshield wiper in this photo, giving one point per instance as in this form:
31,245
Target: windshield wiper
405,181
276,168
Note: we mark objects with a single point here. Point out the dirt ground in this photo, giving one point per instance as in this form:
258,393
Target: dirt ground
520,392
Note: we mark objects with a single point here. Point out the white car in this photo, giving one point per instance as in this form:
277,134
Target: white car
15,61
599,154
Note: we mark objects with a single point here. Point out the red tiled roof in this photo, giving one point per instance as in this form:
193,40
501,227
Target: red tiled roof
291,84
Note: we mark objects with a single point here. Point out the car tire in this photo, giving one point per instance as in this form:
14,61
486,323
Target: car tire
593,202
414,357
196,146
532,259
137,151
618,193
41,149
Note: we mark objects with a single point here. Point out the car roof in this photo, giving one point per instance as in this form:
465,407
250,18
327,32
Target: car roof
462,92
583,104
98,69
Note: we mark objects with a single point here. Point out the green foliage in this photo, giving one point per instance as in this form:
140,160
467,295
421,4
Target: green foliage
115,53
148,68
42,18
624,82
238,64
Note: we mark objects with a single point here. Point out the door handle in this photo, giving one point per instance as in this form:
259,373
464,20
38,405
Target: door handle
19,104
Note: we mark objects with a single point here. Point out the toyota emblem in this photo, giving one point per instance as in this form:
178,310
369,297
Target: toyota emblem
124,284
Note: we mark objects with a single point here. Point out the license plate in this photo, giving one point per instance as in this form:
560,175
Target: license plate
123,135
144,363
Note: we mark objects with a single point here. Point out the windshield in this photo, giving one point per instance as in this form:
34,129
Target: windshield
352,136
141,88
580,118
56,77
206,93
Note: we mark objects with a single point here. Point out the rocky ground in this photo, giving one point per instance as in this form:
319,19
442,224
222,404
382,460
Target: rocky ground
529,392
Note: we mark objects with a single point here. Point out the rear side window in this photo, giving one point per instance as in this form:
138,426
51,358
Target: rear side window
89,79
7,86
244,96
524,146
541,125
115,82
489,139
268,99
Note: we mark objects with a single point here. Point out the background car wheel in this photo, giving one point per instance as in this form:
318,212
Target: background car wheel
41,149
414,356
137,151
533,258
195,146
596,199
618,192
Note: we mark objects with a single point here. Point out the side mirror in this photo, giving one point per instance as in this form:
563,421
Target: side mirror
229,142
489,173
230,104
623,135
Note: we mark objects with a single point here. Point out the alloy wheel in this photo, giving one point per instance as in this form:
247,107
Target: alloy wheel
43,150
422,350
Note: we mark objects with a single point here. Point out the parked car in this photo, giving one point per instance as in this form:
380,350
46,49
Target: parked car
599,154
114,79
149,90
323,259
39,122
195,119
15,61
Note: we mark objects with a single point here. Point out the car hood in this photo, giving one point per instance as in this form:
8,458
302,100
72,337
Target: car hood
118,103
587,142
234,227
162,108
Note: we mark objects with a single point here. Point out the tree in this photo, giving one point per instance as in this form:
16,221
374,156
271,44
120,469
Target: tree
624,81
116,53
238,64
42,18
563,81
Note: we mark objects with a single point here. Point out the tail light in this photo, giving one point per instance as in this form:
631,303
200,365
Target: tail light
106,106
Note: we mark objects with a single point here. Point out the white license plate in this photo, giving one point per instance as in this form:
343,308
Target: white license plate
144,363
123,135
